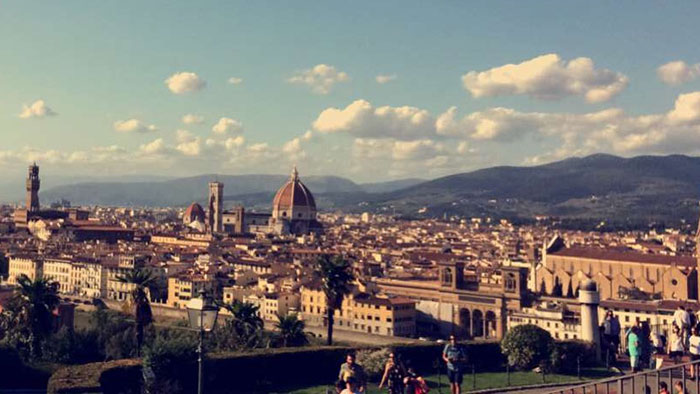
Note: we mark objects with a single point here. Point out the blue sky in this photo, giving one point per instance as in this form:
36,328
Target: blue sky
81,67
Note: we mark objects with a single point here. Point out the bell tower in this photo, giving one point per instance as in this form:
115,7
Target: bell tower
33,184
215,212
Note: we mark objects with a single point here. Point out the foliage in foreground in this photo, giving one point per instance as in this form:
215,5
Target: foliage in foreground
527,346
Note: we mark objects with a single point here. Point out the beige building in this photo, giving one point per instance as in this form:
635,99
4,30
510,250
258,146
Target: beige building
563,269
88,279
553,317
183,287
361,312
59,270
28,265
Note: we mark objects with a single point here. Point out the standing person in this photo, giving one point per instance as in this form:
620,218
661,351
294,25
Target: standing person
681,318
350,369
633,346
454,356
694,349
663,388
611,331
393,376
675,344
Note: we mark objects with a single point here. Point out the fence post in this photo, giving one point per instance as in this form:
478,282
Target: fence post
683,376
578,367
620,386
507,375
473,377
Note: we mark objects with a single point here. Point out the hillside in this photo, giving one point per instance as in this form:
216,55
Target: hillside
597,186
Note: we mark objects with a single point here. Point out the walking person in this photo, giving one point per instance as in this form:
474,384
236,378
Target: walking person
393,376
454,357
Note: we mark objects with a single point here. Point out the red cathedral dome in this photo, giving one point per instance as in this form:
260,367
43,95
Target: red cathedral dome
294,200
194,213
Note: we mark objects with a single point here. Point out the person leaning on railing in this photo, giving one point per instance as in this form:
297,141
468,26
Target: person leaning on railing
694,349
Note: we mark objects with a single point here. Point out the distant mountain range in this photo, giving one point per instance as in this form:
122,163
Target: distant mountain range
252,189
597,187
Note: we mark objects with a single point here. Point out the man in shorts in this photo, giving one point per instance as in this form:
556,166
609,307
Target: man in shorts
454,356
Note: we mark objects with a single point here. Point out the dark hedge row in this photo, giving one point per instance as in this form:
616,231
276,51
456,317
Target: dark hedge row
287,369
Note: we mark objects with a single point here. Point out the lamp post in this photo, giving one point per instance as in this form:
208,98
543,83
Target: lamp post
202,314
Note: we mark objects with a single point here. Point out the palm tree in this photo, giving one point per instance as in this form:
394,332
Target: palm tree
246,321
291,330
336,277
35,302
141,279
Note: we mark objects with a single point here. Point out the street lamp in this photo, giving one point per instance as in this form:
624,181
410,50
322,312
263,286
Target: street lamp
202,314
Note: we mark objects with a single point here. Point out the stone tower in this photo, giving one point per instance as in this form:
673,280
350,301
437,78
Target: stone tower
33,184
589,298
215,212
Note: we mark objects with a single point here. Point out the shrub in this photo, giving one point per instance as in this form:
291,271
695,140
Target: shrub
566,355
373,361
527,346
171,357
72,347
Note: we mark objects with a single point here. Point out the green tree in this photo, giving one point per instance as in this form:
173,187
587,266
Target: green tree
527,346
291,330
336,277
246,324
32,312
141,279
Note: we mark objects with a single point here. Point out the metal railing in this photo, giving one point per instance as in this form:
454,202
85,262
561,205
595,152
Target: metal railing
645,382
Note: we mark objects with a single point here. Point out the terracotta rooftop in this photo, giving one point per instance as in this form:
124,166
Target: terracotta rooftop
625,256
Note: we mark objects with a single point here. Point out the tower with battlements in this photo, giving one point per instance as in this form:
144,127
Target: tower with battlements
33,184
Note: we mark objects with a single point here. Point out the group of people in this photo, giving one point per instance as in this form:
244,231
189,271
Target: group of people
642,343
400,377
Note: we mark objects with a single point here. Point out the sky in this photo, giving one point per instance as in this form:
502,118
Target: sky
369,90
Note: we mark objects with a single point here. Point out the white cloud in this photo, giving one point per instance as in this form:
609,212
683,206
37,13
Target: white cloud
37,109
133,126
321,78
384,78
154,147
227,125
547,77
185,82
687,109
361,119
260,147
384,148
235,81
192,119
188,144
678,72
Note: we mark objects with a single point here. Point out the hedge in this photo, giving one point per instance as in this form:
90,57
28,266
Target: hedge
285,369
18,375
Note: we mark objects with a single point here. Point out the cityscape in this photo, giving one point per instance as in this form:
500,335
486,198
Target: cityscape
401,197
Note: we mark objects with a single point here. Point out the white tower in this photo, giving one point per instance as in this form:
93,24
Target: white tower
589,298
